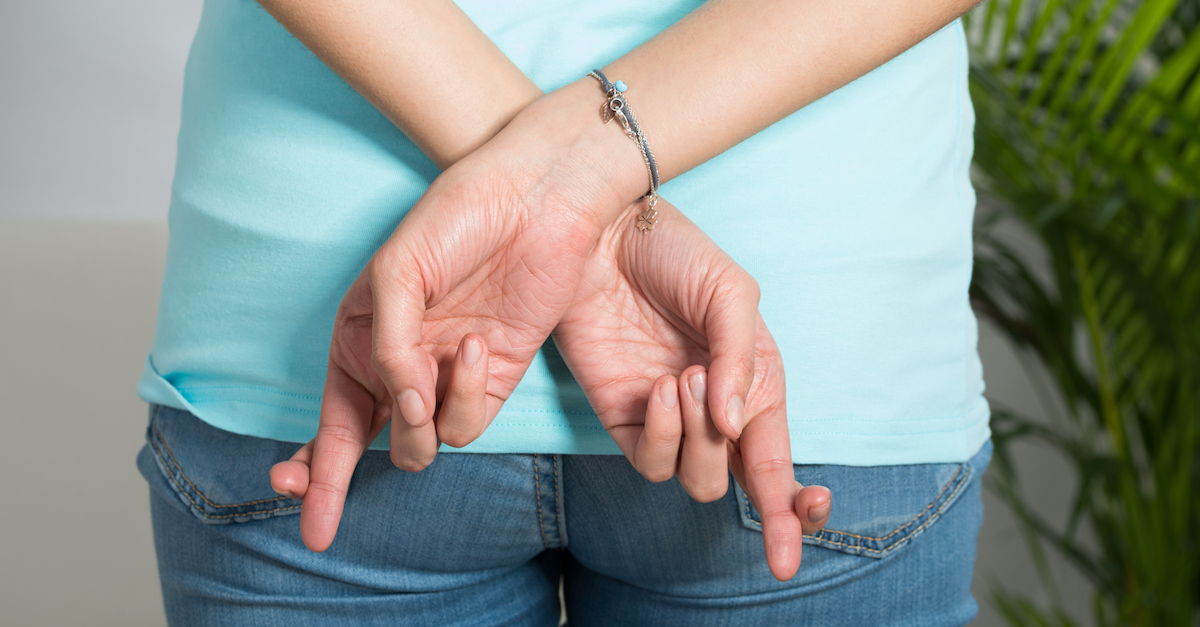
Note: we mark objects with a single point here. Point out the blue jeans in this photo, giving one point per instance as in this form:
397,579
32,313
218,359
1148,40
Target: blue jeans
484,540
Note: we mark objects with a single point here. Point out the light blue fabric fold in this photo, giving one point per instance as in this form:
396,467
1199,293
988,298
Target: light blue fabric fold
854,214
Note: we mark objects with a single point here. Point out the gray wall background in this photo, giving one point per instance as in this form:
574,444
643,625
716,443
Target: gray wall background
89,106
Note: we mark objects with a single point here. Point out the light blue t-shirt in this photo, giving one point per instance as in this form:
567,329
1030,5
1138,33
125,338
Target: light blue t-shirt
854,214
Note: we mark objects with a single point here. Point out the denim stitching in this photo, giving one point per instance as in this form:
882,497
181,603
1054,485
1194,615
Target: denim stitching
537,489
824,532
197,490
914,531
558,509
951,481
196,506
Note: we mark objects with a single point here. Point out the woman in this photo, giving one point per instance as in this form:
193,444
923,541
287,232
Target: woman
532,229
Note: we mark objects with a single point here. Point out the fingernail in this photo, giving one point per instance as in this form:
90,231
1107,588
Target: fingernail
285,493
735,413
818,513
412,407
669,395
472,351
696,382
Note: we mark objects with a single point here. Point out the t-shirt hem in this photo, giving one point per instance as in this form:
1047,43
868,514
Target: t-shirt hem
287,417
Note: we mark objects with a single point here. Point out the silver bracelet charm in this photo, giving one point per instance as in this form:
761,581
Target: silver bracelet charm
615,106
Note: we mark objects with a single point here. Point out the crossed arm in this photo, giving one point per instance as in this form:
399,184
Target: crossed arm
426,66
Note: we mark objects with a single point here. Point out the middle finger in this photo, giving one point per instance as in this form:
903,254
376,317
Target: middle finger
703,468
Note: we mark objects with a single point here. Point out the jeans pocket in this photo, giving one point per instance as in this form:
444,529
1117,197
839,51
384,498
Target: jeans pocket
877,510
218,476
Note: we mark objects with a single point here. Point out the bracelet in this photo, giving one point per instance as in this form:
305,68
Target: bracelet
615,106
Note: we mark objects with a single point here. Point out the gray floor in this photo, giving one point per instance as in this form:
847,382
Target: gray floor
77,304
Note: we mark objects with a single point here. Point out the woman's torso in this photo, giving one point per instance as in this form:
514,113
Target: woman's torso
854,214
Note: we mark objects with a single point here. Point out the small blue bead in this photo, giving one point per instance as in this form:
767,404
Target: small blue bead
621,86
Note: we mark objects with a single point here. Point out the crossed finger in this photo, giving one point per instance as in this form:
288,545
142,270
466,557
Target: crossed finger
319,472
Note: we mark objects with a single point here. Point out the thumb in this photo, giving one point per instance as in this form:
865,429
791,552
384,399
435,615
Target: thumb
290,478
399,298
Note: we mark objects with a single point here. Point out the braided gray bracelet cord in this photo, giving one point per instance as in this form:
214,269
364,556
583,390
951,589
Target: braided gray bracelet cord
617,107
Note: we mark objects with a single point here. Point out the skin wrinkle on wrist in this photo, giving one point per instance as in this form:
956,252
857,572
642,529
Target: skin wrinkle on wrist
568,120
778,56
622,156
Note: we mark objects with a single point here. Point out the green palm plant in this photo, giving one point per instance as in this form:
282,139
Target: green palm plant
1088,135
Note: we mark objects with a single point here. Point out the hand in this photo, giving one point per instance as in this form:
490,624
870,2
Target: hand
651,310
457,302
648,312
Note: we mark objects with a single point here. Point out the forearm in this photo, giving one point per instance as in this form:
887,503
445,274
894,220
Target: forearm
723,73
734,67
422,63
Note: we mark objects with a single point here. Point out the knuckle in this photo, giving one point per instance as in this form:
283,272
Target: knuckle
455,435
771,498
320,486
750,288
461,419
382,268
386,362
409,462
740,286
742,367
705,490
665,436
342,437
768,366
658,475
770,467
462,396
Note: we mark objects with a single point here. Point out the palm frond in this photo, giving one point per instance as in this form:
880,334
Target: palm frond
1088,134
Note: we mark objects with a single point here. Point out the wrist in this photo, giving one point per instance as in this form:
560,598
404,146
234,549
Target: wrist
597,154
